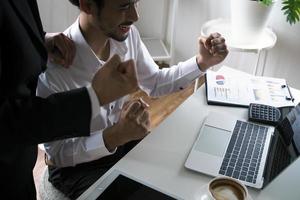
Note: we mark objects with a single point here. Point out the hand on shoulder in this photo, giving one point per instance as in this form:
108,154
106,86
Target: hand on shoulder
61,49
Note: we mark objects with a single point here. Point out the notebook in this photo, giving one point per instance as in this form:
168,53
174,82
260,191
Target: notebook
252,153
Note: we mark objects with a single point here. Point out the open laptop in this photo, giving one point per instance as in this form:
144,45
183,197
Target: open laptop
252,153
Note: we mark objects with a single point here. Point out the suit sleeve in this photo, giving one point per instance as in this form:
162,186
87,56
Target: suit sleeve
1,38
34,120
72,151
26,119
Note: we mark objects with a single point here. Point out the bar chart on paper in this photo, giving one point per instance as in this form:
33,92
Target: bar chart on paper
230,87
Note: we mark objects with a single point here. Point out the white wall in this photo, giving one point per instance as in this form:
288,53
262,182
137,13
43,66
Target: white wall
57,15
282,60
152,24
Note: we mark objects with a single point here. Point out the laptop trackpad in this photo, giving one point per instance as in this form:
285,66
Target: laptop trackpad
213,141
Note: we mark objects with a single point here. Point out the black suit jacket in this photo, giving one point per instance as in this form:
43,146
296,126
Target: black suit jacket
27,120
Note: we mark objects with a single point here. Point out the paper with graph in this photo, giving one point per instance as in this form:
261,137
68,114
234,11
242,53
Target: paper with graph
228,86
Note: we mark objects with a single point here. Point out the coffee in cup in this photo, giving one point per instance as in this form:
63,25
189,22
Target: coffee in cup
226,188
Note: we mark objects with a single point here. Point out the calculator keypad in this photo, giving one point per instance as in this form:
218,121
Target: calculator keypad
264,113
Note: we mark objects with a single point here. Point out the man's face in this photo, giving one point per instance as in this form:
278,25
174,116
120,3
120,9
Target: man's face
116,17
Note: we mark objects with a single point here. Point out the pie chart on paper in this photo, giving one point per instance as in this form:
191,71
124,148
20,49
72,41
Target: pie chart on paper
220,79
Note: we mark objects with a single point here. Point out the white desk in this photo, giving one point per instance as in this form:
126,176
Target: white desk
159,159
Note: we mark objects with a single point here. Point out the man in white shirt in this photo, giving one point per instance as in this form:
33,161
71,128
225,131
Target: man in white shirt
103,29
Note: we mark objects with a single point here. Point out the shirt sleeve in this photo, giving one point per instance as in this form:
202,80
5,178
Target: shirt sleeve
157,82
70,152
94,101
48,85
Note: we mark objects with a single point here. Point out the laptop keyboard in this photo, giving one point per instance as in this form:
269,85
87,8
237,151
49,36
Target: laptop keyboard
244,152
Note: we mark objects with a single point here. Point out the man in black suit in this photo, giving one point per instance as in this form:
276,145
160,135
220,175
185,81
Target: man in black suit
27,120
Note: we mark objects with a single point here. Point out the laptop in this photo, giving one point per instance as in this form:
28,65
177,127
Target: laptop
252,153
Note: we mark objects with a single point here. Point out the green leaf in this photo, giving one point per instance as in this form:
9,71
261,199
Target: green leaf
291,9
284,7
266,2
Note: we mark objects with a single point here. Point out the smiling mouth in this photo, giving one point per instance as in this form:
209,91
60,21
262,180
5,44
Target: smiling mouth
124,28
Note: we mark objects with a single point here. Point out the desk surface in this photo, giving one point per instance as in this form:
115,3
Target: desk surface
159,159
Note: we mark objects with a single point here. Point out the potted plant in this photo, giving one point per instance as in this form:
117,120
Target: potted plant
249,18
290,8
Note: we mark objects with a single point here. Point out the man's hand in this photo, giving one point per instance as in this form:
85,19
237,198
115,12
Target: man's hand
61,49
134,124
212,51
115,79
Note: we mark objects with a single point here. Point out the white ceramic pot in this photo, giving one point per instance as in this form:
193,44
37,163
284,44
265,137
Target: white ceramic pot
248,20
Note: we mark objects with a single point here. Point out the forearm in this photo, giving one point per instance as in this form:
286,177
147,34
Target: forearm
37,120
175,78
71,152
158,82
111,138
201,64
133,124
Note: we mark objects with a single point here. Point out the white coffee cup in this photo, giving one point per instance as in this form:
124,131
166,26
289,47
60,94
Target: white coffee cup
225,188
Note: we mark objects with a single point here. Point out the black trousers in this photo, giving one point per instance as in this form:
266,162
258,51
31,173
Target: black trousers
73,181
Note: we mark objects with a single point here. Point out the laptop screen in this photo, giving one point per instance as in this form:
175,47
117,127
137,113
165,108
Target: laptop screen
285,146
290,128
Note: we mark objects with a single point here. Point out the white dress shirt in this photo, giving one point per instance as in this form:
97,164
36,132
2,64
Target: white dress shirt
151,79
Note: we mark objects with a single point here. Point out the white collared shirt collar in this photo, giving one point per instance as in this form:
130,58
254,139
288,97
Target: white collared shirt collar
86,55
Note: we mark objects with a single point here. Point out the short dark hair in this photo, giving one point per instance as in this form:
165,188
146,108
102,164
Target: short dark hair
75,2
99,3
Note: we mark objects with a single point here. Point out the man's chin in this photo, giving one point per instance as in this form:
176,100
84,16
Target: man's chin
119,38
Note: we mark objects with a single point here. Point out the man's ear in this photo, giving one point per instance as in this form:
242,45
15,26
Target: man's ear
85,6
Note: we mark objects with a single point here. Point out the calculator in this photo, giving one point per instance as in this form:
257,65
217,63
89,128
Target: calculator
267,114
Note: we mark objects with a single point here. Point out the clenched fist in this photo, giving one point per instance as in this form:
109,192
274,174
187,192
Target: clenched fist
212,51
114,80
133,124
